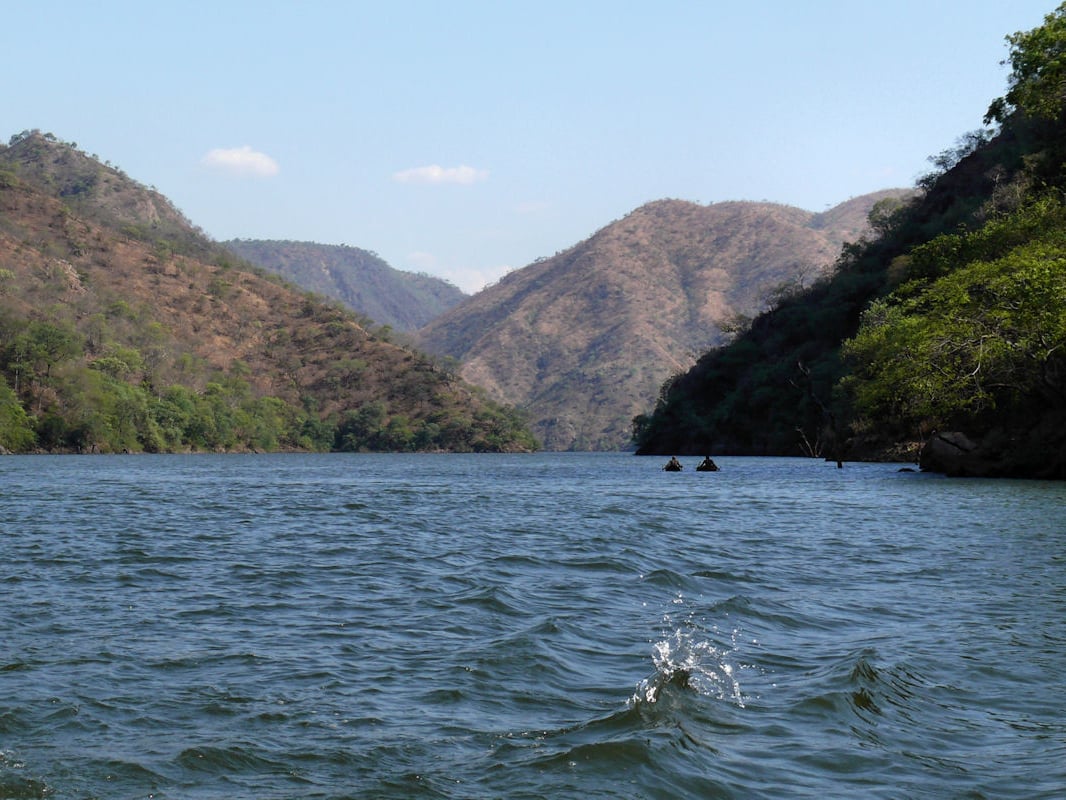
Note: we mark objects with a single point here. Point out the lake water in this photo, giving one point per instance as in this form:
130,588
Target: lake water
526,626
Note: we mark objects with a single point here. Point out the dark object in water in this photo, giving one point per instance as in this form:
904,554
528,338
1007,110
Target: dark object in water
707,465
682,678
673,465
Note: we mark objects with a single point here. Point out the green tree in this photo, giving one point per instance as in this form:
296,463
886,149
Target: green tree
989,336
33,353
175,414
363,429
16,428
1037,83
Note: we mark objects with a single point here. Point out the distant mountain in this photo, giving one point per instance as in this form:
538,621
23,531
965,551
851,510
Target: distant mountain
123,328
358,278
582,341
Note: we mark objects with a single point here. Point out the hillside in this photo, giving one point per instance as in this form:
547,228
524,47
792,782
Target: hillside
942,338
123,328
583,340
358,278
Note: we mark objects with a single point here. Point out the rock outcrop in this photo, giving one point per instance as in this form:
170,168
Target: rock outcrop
1038,453
952,453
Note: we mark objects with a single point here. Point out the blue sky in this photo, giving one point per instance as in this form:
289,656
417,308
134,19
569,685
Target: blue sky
464,139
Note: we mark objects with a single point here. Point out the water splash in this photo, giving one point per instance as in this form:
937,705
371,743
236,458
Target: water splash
687,659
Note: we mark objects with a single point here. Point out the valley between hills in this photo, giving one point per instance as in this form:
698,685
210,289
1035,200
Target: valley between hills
925,323
582,341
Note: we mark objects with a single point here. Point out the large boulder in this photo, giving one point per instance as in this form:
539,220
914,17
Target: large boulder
1039,452
952,453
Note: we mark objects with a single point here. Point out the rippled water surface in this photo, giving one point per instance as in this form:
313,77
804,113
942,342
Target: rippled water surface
545,626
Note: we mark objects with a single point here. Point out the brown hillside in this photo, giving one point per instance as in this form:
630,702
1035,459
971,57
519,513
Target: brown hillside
584,340
190,311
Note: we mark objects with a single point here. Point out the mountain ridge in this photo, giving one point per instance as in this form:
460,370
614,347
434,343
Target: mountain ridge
359,278
583,340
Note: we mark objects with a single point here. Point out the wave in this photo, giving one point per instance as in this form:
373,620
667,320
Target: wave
667,715
228,759
858,699
17,787
685,660
643,748
669,579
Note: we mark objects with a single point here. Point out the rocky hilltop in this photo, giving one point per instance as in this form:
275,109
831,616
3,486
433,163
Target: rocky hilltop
582,341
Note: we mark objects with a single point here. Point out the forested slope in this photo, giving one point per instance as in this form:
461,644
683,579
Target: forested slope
358,278
953,318
123,328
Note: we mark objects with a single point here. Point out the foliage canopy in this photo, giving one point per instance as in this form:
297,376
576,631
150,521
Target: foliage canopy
989,337
1037,83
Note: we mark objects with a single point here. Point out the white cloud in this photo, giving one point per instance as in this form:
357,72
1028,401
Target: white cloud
435,173
241,161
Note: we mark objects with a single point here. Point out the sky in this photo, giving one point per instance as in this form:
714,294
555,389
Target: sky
468,139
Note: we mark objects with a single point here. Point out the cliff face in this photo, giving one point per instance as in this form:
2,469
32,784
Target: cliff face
582,341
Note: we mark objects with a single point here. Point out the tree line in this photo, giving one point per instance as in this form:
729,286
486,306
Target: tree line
56,396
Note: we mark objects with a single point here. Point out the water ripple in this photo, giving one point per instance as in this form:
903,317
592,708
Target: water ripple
564,626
